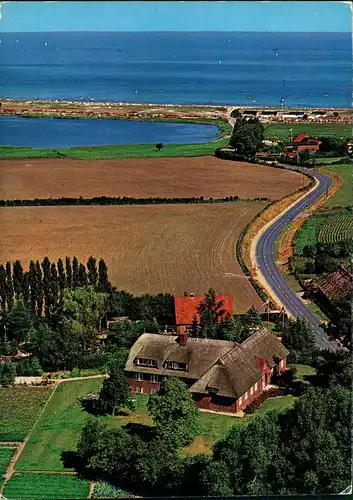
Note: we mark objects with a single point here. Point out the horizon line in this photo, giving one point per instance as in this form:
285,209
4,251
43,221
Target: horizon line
176,31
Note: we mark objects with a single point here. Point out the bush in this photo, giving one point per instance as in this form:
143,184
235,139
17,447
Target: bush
28,367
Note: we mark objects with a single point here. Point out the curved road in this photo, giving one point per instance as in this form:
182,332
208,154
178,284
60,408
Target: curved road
265,260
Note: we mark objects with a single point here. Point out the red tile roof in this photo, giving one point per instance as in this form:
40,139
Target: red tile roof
186,307
337,284
300,138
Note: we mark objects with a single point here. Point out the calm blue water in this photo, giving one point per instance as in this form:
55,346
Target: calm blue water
53,133
311,69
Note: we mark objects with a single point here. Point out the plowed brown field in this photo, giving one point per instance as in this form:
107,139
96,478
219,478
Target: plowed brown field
148,249
165,177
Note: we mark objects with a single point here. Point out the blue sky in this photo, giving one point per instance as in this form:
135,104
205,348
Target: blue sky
175,16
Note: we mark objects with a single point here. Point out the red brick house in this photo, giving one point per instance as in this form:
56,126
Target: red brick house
186,309
302,142
221,375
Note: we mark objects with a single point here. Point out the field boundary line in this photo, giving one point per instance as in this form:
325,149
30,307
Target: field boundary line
11,467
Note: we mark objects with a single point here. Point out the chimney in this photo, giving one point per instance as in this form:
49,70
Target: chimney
183,337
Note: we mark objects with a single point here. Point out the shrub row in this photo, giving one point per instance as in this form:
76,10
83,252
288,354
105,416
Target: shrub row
107,200
261,398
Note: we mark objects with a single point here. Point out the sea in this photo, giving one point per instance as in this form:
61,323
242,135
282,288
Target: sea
219,68
65,133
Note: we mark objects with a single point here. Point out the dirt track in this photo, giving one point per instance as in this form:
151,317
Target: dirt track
165,177
148,249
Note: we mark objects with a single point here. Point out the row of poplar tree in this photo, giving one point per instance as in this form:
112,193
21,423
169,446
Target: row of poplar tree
42,286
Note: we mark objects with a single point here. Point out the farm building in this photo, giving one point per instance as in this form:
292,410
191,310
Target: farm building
302,142
336,285
221,375
186,309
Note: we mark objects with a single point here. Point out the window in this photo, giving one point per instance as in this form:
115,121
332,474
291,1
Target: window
153,391
139,377
240,400
256,386
246,396
251,391
146,362
173,365
154,378
139,390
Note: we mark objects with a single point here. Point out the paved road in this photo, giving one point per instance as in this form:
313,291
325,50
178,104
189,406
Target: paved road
265,258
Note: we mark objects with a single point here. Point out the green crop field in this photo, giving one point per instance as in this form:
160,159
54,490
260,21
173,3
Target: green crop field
337,228
308,233
19,409
59,428
281,130
344,196
45,486
5,457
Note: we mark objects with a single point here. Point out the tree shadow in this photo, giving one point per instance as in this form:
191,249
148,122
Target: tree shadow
145,432
90,406
71,460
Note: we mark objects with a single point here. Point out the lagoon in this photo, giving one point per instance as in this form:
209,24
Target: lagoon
65,133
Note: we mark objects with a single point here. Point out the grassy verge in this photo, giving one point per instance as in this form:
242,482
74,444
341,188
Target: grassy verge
19,410
317,311
344,196
45,486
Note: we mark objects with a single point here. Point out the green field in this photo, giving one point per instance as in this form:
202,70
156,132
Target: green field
337,228
45,486
5,457
344,196
19,409
281,130
308,233
114,152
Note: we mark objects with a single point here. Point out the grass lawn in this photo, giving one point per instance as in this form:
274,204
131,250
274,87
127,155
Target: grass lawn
281,130
344,196
303,371
59,428
19,410
45,486
277,403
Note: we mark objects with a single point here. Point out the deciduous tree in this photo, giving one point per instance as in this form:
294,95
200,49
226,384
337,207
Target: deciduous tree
115,393
174,413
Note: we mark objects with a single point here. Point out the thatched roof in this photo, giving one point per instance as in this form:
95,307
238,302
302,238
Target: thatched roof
228,367
198,354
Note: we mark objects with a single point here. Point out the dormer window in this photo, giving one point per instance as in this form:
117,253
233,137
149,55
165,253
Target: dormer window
212,390
150,363
173,365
